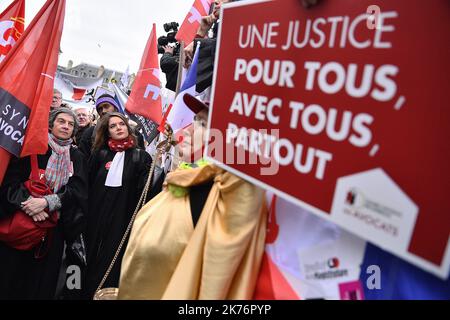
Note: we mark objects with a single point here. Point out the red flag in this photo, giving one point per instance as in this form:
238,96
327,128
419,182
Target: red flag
12,25
145,98
190,25
162,126
26,84
78,93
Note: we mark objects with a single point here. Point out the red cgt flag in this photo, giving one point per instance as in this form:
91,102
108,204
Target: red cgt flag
145,98
12,24
190,25
26,85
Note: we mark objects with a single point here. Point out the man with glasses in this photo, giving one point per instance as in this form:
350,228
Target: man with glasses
56,100
84,117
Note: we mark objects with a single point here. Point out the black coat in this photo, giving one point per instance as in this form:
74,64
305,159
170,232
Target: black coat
110,211
206,58
85,141
21,275
169,65
79,134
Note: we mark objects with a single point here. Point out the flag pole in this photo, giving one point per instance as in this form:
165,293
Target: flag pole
168,133
180,68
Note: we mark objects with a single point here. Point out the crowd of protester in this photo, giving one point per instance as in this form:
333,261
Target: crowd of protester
96,167
194,232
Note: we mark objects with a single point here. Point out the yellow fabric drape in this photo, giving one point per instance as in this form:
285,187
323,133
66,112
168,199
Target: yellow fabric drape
167,259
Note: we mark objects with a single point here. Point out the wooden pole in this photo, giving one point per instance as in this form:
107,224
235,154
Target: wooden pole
180,68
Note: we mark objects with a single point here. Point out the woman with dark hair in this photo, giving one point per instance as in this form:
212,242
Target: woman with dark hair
33,274
117,175
104,104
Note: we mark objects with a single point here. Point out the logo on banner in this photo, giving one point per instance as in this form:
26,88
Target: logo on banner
5,44
333,263
8,35
370,211
325,270
350,198
13,122
351,290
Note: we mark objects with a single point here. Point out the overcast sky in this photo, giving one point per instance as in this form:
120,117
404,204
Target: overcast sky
112,33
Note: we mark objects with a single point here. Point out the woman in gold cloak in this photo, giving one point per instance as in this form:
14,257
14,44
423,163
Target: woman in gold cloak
200,238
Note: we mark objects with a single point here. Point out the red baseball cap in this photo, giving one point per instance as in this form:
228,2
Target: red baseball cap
195,104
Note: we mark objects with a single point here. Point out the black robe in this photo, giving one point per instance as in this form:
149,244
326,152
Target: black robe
110,211
22,276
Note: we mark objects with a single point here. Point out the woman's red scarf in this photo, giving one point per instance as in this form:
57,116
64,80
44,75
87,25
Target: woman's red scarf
120,145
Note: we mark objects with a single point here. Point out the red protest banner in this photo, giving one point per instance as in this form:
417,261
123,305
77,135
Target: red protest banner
26,85
340,108
145,98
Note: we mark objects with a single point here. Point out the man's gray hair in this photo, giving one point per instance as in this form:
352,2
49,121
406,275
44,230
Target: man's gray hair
54,113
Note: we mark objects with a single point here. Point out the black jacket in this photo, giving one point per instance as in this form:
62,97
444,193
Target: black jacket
73,195
169,65
22,276
205,68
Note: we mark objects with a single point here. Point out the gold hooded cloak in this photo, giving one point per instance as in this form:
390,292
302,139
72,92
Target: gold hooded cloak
166,258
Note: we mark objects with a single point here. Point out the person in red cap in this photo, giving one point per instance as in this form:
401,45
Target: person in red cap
200,238
191,146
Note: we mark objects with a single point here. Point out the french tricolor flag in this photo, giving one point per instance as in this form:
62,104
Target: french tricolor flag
180,115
